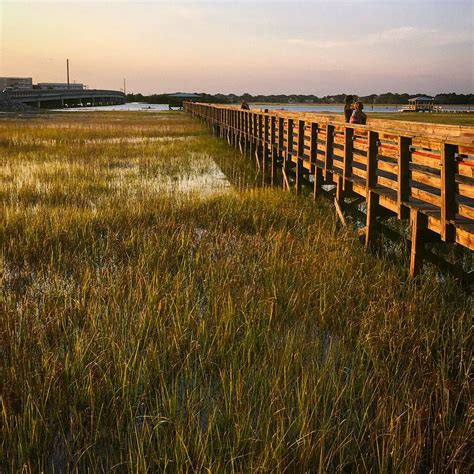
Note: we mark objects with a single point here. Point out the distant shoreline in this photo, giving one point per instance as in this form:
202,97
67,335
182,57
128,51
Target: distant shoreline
332,104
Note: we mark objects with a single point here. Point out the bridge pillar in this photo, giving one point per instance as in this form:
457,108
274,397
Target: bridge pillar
39,104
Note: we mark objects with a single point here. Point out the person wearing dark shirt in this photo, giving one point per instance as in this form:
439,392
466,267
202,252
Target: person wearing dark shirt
244,105
348,108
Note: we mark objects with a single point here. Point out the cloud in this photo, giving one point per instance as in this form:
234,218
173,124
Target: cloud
434,37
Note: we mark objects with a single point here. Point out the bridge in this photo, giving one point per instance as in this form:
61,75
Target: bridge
385,172
66,98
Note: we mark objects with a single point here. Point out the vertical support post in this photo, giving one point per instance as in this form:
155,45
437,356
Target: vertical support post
240,129
448,191
273,148
255,133
371,222
300,155
348,154
246,133
418,223
403,191
372,197
372,160
287,156
318,172
233,127
235,115
251,134
328,150
266,133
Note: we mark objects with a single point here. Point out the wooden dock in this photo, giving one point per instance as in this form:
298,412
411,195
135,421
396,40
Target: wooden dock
421,173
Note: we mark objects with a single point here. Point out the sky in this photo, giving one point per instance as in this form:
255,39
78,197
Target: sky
260,47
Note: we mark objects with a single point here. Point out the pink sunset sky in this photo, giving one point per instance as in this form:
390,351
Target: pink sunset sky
306,47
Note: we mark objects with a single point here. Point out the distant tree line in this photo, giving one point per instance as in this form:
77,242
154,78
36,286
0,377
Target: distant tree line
387,98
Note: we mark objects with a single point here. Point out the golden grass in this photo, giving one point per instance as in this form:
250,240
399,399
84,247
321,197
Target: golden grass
145,329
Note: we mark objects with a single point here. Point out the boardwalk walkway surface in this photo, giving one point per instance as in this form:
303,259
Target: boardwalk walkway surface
423,173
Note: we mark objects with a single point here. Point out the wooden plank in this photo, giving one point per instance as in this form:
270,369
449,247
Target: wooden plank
426,178
359,172
465,190
425,196
466,169
424,160
388,183
465,238
428,144
466,211
359,159
386,166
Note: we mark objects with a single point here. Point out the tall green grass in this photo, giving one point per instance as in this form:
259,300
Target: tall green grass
148,330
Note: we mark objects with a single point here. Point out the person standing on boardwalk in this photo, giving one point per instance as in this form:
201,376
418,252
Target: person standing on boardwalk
358,116
244,105
348,108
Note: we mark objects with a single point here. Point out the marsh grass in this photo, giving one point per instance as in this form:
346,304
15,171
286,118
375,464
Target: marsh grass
149,330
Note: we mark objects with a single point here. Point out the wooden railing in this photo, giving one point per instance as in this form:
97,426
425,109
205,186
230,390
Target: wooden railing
420,172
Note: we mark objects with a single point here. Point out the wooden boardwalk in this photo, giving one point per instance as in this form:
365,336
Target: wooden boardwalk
422,173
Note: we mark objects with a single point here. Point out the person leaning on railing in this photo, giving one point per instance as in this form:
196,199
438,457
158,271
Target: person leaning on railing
244,105
358,116
348,108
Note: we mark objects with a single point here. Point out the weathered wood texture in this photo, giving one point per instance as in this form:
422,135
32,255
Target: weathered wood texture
401,169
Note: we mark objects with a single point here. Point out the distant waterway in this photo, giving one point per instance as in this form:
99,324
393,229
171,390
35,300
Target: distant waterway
129,106
321,108
326,108
318,108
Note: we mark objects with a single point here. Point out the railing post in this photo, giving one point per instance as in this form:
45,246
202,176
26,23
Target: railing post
348,153
318,172
266,133
418,223
448,191
329,147
287,156
372,160
273,148
260,130
300,155
371,196
255,136
251,123
403,187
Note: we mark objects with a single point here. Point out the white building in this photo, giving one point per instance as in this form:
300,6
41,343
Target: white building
16,83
